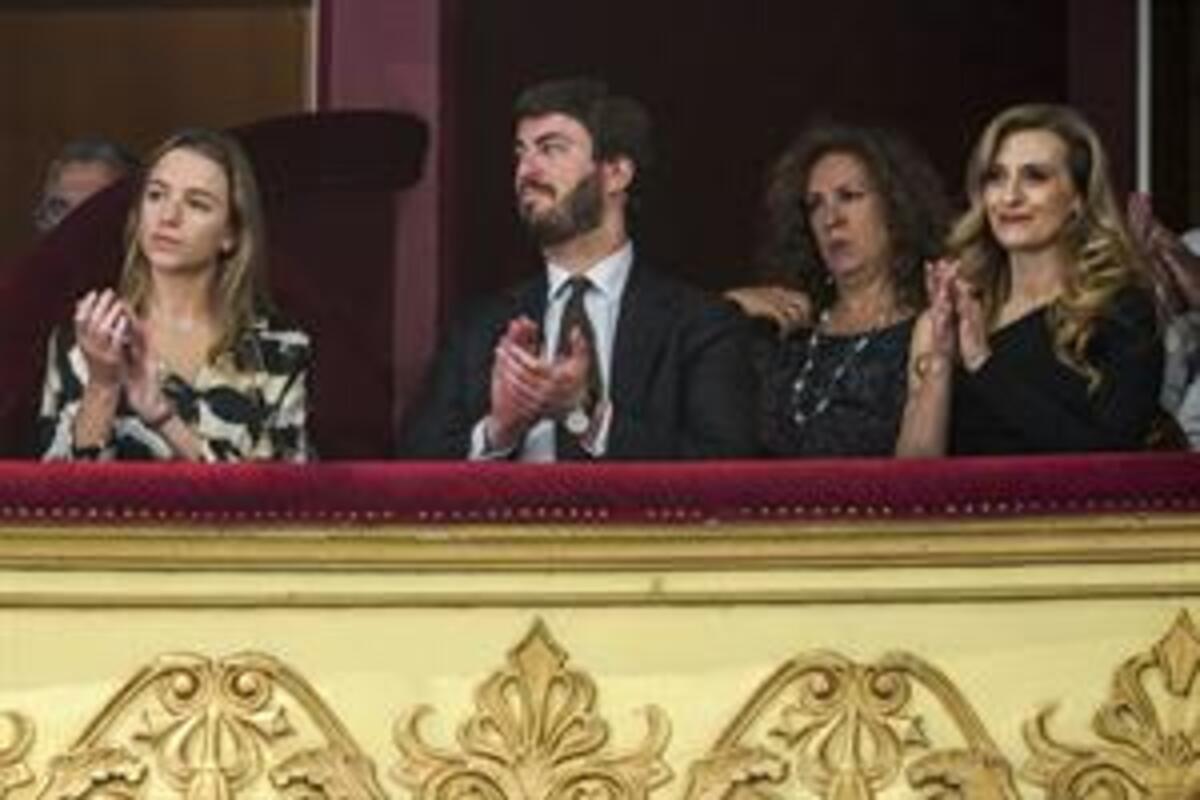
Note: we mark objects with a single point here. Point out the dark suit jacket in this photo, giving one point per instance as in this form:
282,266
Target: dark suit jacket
683,385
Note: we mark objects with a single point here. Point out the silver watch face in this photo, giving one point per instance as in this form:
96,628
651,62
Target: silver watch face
577,421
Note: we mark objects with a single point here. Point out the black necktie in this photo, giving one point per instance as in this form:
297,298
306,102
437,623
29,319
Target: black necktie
566,445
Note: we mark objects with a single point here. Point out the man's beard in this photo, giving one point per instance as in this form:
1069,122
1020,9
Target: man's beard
578,212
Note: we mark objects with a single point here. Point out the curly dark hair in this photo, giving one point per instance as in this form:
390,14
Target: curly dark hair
915,205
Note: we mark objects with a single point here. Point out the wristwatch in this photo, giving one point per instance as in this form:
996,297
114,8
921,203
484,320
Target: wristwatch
577,422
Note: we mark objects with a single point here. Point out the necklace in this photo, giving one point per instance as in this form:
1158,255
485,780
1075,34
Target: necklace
807,403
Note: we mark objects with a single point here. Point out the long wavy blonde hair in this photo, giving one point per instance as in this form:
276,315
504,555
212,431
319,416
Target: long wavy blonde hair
241,279
1102,259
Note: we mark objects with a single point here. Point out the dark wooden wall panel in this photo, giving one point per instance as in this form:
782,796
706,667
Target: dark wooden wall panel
135,71
1175,121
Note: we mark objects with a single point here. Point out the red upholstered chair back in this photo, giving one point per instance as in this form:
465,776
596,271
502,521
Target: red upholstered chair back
329,183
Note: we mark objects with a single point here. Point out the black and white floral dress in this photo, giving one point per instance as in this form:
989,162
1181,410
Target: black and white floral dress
250,403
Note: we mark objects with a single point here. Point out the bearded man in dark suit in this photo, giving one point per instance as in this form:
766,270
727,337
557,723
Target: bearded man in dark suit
599,356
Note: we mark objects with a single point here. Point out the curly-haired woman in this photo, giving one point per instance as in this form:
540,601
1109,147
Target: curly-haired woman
852,215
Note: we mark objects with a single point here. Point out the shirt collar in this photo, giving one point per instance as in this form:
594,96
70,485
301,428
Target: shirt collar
609,274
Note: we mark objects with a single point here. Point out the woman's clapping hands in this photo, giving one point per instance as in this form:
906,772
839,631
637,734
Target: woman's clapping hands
115,345
101,325
959,328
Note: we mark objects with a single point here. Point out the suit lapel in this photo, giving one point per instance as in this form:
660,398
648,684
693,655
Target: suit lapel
530,299
644,320
527,299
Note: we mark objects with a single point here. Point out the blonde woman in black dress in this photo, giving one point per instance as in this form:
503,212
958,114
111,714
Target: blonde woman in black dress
1040,336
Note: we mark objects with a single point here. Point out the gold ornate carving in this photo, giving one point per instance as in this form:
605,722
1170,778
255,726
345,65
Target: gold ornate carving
821,726
16,737
1150,724
190,727
826,726
535,736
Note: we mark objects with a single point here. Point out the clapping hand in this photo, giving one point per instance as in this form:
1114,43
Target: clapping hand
973,346
959,329
141,378
940,277
101,326
568,376
115,347
516,371
526,388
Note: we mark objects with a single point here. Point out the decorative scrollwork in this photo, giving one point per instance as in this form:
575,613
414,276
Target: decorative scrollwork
823,726
16,737
1150,722
826,726
190,727
535,736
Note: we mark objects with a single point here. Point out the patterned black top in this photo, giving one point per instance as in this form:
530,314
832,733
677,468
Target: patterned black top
846,400
250,403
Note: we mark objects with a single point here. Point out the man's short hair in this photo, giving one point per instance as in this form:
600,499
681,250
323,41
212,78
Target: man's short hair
619,125
50,209
93,148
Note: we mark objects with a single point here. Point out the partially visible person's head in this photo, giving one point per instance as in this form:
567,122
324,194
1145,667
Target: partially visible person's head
82,168
198,209
843,199
580,152
1038,182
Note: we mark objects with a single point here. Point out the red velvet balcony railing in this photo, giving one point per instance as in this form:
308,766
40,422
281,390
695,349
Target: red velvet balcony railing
661,493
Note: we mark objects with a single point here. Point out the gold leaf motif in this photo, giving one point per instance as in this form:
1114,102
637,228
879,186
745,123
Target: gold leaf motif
1149,727
190,727
535,736
746,773
97,773
326,773
16,737
829,727
1179,655
969,774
